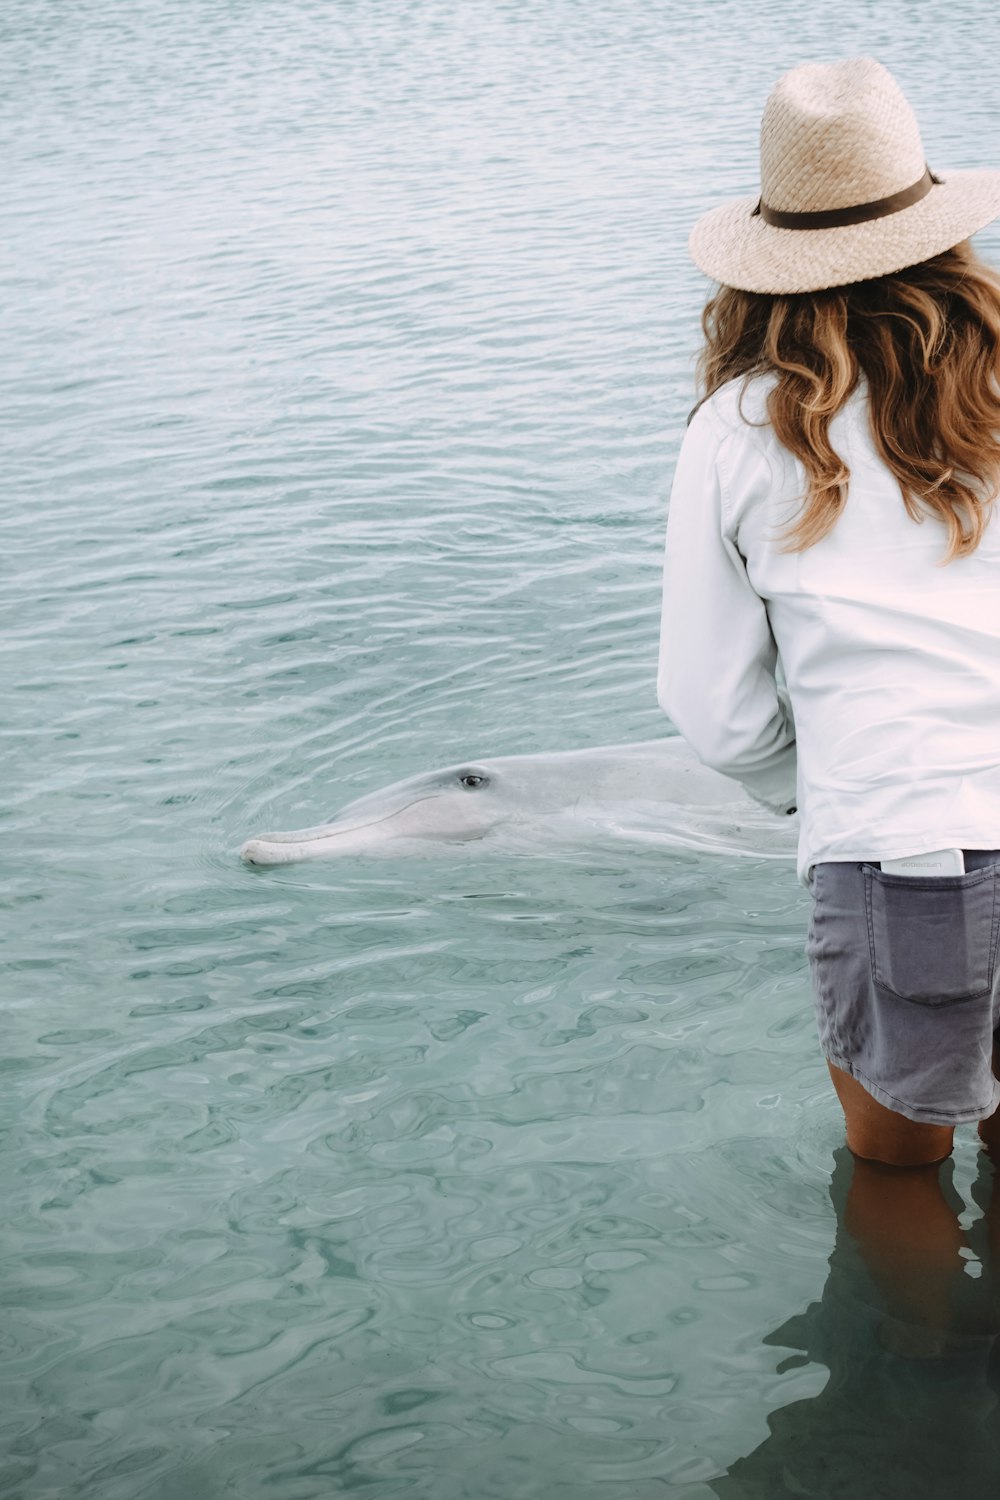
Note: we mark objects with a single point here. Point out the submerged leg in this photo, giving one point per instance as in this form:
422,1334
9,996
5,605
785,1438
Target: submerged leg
910,1239
907,1232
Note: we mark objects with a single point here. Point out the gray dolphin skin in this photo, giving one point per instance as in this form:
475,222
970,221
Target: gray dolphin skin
651,792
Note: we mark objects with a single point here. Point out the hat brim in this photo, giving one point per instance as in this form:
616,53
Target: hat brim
737,248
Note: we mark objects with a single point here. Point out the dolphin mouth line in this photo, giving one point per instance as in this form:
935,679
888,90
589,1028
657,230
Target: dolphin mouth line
291,838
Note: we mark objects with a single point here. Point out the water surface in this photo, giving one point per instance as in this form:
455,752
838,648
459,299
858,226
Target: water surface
348,348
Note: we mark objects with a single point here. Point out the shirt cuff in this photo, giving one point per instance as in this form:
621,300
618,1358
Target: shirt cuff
775,785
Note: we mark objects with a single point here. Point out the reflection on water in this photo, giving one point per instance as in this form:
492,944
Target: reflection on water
911,1342
347,349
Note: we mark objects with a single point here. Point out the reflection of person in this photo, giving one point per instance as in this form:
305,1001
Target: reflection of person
878,1427
832,515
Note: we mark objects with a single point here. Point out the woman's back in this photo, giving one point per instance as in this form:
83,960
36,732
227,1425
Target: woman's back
891,660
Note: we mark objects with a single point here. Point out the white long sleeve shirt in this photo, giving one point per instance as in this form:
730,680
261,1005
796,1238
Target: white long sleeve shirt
885,732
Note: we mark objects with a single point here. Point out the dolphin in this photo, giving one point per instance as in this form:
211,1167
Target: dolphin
652,792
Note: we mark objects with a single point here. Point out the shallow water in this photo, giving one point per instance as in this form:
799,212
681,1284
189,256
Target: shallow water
347,353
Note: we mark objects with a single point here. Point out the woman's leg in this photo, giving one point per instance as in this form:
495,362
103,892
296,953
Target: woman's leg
876,1133
908,1234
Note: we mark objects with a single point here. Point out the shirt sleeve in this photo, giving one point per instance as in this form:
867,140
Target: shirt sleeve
718,658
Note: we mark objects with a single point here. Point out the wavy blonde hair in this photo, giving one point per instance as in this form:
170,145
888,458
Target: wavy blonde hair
927,342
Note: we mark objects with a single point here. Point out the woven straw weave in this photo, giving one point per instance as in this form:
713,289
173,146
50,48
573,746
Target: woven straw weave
834,135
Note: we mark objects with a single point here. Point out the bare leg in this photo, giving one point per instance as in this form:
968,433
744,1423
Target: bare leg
879,1134
908,1235
909,1238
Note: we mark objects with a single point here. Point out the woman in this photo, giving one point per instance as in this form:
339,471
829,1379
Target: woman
831,621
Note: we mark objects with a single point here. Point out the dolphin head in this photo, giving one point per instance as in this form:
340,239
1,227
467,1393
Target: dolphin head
455,805
650,791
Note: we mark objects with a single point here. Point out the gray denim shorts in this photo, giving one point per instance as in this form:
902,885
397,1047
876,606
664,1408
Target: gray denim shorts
906,983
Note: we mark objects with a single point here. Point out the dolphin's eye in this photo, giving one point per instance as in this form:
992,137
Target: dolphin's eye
473,778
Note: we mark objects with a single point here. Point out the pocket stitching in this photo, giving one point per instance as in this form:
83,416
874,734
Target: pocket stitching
964,882
928,883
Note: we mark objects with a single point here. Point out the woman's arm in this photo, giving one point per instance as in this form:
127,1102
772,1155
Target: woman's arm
718,657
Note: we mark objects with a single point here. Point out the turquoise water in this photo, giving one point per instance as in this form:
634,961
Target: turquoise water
347,353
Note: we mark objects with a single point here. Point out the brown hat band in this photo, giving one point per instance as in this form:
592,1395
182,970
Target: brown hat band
857,213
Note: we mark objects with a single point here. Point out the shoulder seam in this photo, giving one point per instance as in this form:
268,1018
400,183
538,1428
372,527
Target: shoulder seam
741,424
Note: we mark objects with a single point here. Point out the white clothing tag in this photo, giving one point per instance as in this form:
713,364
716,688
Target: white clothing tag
937,862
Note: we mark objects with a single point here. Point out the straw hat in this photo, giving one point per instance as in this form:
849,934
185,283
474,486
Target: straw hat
846,193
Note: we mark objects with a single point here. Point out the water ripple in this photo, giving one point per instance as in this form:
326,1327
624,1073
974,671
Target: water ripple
347,352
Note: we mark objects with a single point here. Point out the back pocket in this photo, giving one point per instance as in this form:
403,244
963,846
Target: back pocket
933,939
